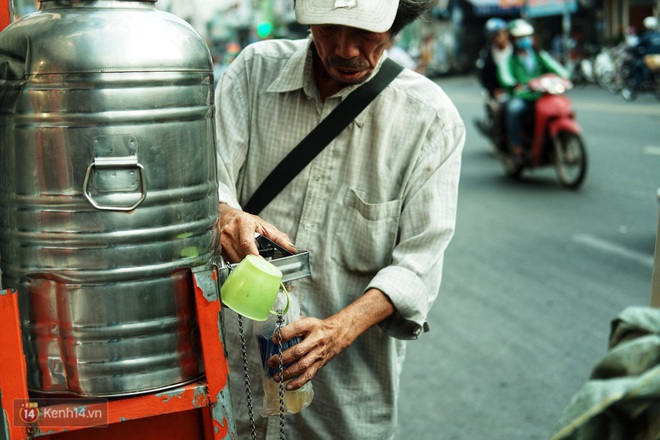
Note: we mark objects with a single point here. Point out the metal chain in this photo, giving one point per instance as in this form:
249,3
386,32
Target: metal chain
280,321
246,375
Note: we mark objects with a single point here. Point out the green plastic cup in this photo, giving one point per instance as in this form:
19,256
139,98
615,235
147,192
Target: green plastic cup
251,288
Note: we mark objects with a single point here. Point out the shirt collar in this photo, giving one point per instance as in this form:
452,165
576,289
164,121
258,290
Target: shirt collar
297,74
295,71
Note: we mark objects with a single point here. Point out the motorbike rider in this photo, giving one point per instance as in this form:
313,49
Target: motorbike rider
525,63
498,48
647,44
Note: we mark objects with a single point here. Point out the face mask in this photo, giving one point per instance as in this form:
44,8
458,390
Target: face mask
524,43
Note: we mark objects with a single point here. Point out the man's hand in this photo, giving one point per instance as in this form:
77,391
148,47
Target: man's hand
237,229
323,339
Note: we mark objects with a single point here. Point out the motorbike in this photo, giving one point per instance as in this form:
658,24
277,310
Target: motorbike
582,66
551,136
641,74
491,124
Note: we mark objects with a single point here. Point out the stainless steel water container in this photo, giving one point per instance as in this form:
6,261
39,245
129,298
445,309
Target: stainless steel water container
108,193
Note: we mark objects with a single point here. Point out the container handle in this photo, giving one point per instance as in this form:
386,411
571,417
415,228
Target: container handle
127,162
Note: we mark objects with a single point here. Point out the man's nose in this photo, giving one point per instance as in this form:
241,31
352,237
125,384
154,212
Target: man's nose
346,44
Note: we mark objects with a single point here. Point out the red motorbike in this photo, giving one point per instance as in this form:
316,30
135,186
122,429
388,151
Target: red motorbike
551,137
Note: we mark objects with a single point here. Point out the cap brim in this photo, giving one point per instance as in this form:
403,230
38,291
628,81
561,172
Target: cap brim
370,15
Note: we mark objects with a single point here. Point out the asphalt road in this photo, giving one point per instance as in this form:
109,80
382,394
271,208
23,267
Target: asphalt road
534,276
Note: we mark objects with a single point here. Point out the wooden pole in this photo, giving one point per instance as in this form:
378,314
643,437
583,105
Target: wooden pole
655,281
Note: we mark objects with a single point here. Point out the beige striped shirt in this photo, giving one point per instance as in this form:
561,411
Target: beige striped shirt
376,209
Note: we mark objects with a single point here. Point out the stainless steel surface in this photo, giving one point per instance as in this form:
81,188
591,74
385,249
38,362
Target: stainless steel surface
108,193
293,267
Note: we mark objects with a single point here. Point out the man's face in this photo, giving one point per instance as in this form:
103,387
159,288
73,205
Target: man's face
348,55
501,39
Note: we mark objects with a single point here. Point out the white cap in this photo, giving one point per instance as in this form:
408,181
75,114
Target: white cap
371,15
651,23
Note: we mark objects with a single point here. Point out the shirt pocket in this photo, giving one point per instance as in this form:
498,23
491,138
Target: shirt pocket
366,233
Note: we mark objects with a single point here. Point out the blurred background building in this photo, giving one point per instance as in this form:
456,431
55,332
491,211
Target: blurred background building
446,41
454,29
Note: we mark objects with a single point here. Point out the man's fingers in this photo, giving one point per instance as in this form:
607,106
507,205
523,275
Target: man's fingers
284,241
303,378
247,243
300,372
237,238
230,255
279,237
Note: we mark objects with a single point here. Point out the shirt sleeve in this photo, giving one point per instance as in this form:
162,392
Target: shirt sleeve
505,73
551,65
231,120
428,217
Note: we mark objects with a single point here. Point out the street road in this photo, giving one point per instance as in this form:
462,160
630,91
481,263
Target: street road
534,276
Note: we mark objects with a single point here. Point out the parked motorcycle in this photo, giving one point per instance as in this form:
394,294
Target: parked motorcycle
582,65
551,136
641,74
608,65
605,68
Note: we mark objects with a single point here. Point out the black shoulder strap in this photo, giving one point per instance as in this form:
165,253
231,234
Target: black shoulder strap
321,136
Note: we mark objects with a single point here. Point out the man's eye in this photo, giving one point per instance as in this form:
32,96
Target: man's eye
368,35
328,29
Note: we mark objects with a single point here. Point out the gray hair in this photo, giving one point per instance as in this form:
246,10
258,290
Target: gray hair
409,11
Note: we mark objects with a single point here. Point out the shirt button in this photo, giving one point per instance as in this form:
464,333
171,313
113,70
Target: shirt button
317,177
308,226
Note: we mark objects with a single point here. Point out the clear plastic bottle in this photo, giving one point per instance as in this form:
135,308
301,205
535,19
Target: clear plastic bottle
265,331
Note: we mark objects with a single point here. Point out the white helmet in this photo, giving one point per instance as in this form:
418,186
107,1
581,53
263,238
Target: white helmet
651,23
520,28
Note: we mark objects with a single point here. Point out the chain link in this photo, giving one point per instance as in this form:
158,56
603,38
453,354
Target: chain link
246,375
280,321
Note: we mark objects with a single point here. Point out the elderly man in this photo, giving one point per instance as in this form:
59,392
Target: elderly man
376,209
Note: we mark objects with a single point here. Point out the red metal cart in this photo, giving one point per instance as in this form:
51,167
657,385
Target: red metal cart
199,410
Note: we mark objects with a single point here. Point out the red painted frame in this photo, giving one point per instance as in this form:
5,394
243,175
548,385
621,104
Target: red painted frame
209,396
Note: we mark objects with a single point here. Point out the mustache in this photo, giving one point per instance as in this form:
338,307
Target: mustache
353,63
